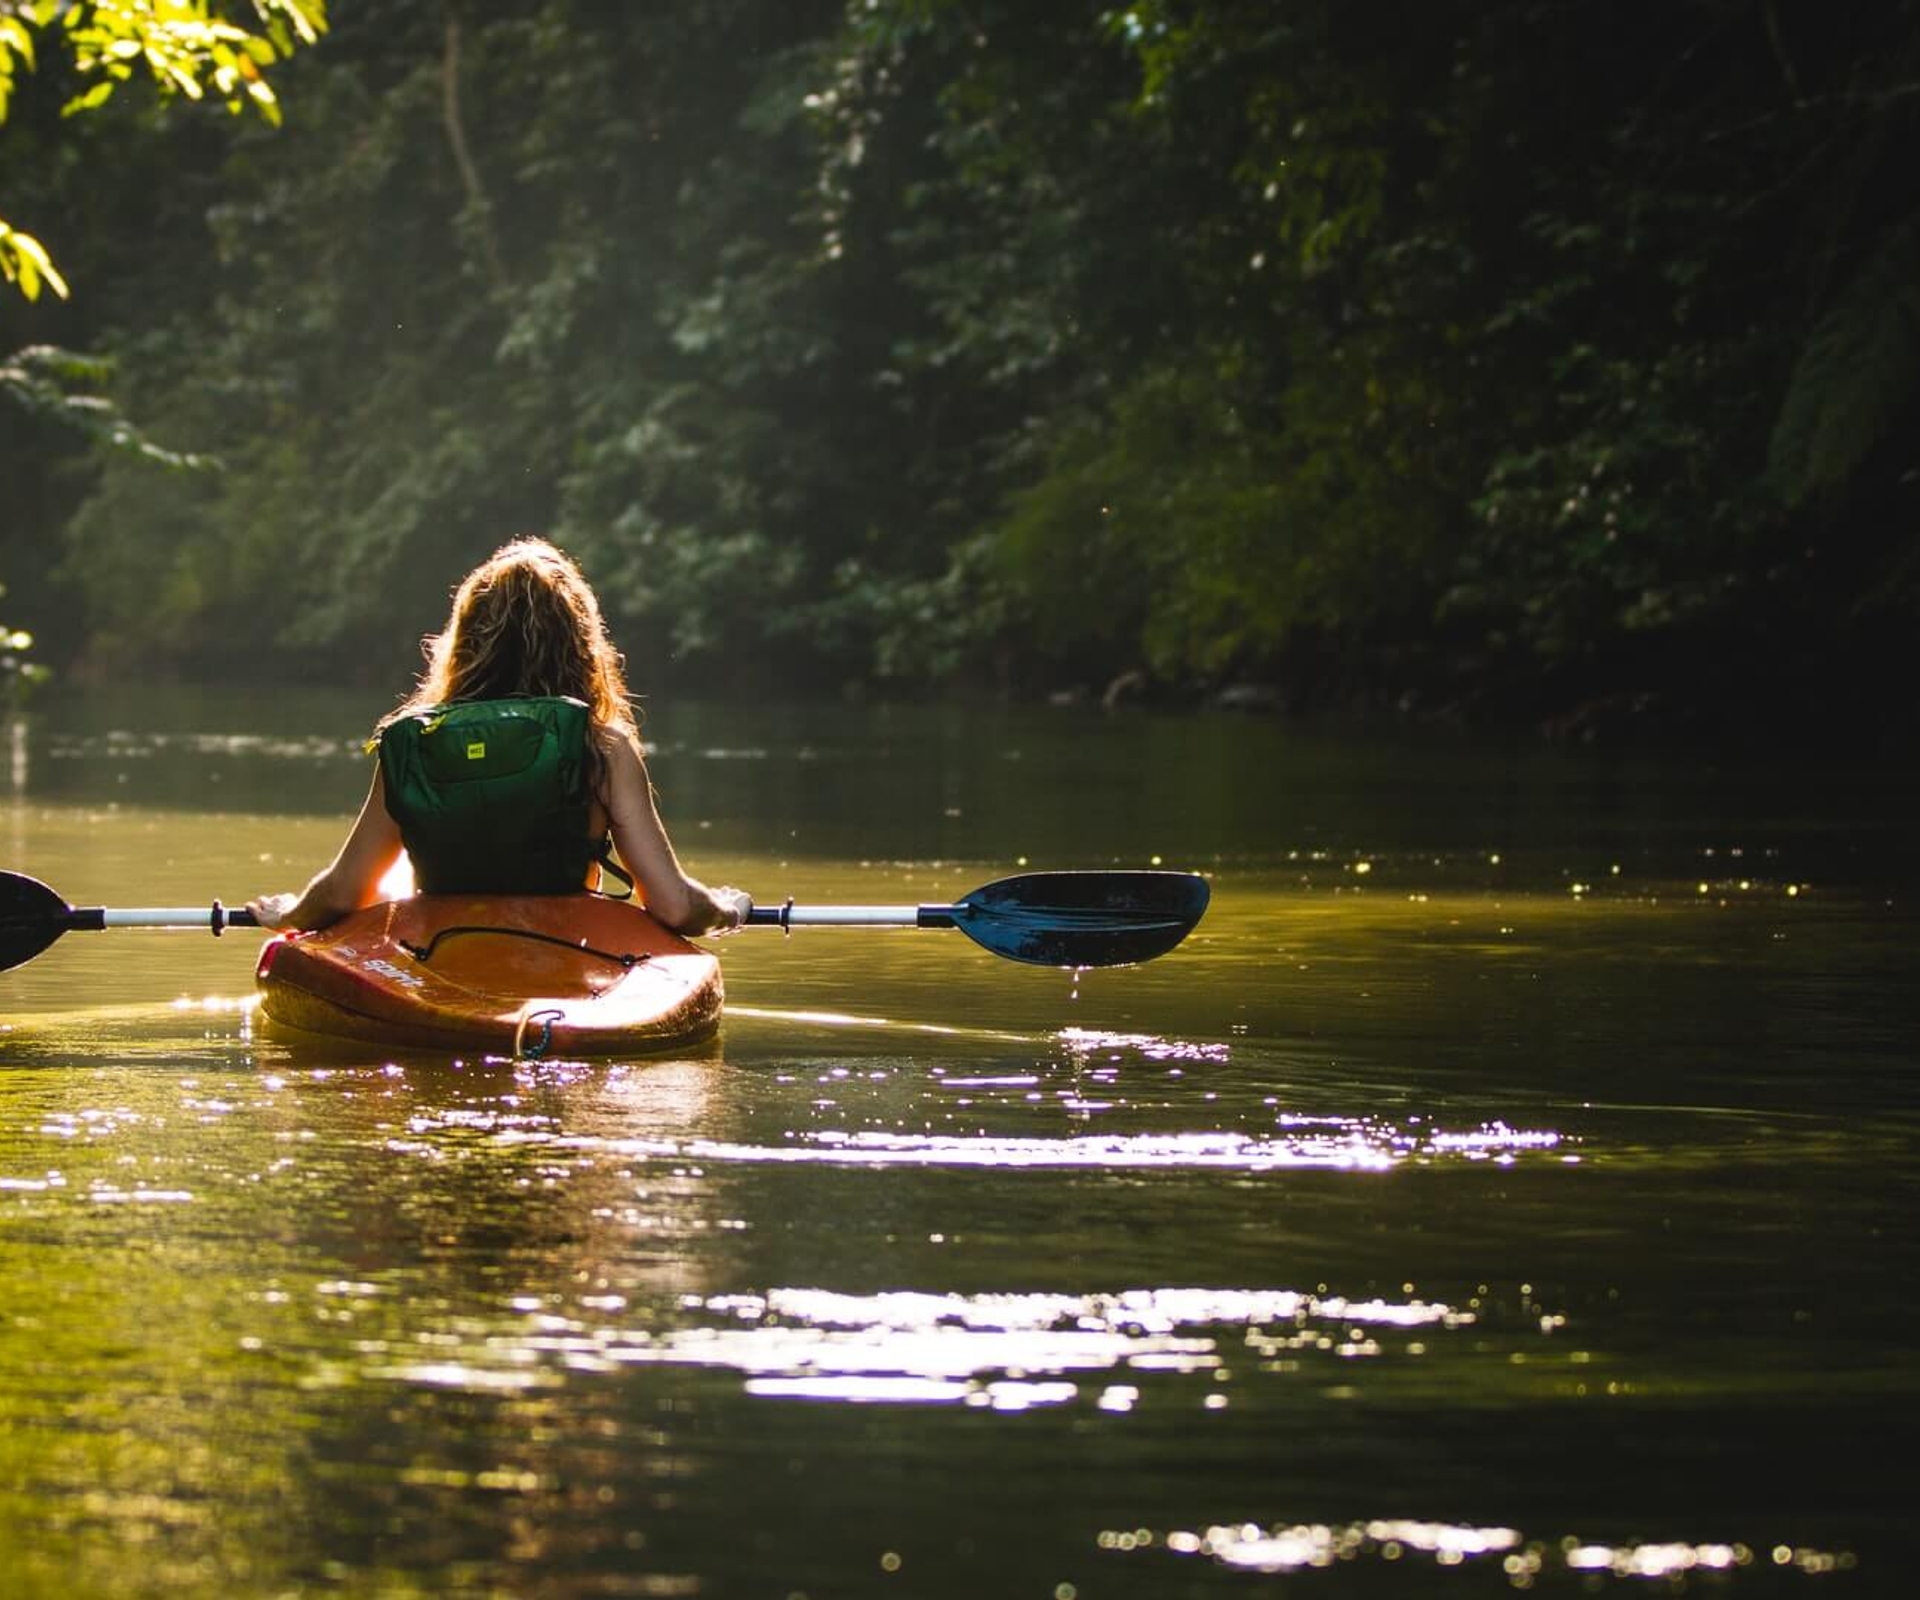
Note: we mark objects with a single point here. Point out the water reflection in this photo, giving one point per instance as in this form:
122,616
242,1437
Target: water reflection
1349,1146
982,1350
1523,1561
1081,1075
121,744
1487,1211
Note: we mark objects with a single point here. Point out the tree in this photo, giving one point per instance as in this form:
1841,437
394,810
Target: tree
189,48
1501,358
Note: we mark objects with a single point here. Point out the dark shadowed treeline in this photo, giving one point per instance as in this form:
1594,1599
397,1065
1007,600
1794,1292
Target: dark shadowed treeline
1529,360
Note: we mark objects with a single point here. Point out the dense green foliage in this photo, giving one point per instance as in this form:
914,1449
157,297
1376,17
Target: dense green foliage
1523,359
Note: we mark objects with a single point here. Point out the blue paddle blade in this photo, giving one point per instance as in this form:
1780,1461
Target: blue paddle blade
1083,919
32,916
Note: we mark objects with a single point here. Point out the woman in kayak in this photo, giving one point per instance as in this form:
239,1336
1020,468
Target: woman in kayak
514,765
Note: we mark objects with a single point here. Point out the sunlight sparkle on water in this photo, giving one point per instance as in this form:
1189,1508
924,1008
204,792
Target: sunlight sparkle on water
106,1194
1006,1352
1317,1142
1089,1041
218,1004
1289,1140
1290,1547
470,1379
1006,1395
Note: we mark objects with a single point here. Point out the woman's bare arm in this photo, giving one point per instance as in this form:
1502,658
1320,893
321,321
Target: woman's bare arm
681,902
350,881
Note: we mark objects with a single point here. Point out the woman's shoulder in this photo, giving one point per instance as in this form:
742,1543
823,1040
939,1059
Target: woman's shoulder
615,740
612,731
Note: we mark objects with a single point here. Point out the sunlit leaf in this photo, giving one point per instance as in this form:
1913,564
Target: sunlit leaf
95,96
55,282
25,261
31,248
14,36
185,81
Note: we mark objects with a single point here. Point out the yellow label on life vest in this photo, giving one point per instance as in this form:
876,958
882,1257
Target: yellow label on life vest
476,751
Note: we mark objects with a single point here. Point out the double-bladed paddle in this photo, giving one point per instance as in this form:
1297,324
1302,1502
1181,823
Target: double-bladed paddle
1047,919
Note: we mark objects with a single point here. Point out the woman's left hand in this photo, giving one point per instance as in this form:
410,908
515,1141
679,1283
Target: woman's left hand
273,910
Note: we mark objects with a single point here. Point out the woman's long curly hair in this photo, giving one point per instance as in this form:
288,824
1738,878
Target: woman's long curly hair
525,622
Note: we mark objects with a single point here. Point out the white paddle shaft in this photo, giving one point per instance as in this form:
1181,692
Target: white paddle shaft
840,916
174,917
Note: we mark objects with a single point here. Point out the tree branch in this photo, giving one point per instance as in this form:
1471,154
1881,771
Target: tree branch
478,206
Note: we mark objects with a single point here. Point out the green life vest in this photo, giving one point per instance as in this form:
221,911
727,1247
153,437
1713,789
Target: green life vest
491,795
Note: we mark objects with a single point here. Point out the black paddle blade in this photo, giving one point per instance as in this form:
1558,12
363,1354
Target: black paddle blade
1083,919
32,916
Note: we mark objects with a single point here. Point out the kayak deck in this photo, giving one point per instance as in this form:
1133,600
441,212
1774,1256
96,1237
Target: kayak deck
534,975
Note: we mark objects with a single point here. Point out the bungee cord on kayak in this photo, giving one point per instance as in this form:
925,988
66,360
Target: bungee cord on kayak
423,953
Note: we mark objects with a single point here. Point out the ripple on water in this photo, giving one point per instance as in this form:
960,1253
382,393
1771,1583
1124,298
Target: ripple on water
1116,1102
1281,1547
1343,1143
997,1351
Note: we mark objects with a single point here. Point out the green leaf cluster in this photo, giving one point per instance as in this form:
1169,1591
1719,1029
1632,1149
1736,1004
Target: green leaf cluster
186,48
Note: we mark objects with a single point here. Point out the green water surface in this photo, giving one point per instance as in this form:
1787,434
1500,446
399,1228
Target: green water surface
1508,1187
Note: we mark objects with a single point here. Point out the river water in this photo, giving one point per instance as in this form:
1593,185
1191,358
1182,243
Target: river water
1509,1186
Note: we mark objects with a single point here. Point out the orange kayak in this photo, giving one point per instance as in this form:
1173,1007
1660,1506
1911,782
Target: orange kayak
527,975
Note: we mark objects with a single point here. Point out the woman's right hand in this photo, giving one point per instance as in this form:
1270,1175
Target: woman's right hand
733,905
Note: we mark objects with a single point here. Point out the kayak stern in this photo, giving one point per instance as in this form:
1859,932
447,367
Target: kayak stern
518,975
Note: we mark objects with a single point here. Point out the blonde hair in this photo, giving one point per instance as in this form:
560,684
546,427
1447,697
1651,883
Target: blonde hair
525,622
